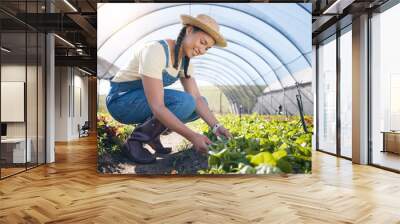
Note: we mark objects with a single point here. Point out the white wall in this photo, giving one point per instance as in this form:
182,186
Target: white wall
70,83
79,117
16,73
12,73
61,103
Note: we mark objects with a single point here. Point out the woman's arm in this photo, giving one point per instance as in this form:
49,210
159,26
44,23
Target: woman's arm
154,92
202,109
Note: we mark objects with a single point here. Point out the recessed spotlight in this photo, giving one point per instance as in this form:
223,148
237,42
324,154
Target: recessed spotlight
5,50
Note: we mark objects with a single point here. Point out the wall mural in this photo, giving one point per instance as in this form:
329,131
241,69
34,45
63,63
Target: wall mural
204,88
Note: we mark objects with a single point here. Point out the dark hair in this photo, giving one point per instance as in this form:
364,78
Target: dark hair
178,45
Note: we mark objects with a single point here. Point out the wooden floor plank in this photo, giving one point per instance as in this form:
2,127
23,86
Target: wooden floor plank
71,191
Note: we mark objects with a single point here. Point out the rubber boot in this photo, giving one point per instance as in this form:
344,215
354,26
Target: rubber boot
150,132
133,146
158,147
135,151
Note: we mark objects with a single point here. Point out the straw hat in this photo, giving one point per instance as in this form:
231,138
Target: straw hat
207,24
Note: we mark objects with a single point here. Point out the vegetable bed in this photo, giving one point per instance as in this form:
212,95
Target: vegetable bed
261,145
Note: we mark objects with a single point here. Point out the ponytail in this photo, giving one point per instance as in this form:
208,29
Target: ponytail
178,45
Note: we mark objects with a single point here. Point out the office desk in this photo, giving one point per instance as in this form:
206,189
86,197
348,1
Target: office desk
391,141
13,150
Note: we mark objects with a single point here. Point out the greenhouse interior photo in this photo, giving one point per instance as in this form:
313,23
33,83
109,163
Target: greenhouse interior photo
275,111
265,76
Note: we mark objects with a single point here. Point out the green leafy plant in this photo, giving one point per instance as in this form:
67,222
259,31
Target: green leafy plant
261,145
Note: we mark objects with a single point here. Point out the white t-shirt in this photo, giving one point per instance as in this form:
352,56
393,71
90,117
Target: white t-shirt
149,60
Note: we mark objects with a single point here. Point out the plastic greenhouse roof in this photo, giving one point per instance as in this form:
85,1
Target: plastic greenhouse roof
268,44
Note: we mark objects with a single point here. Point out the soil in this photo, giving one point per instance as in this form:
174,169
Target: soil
182,160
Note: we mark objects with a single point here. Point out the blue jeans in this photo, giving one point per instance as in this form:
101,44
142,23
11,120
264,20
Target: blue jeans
133,108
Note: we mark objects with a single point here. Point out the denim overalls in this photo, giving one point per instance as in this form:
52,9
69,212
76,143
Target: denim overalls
127,102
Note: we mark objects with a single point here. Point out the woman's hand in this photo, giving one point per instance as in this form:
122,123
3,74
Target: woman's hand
200,142
222,131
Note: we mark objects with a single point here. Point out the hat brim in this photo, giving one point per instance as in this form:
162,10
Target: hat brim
218,38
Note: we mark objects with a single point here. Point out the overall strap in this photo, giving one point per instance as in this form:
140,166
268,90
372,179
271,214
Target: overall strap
164,43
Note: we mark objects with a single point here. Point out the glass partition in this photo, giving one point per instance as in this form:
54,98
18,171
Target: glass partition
13,87
385,87
327,96
346,93
22,88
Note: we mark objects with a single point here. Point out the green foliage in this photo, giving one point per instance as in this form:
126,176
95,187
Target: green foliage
261,145
110,134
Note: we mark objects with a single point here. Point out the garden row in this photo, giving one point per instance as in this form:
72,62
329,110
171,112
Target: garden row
261,144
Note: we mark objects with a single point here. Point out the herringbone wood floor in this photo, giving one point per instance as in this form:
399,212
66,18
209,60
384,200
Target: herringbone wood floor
71,191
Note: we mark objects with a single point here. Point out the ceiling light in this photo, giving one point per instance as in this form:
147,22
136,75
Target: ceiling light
64,40
5,50
70,5
338,6
86,72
